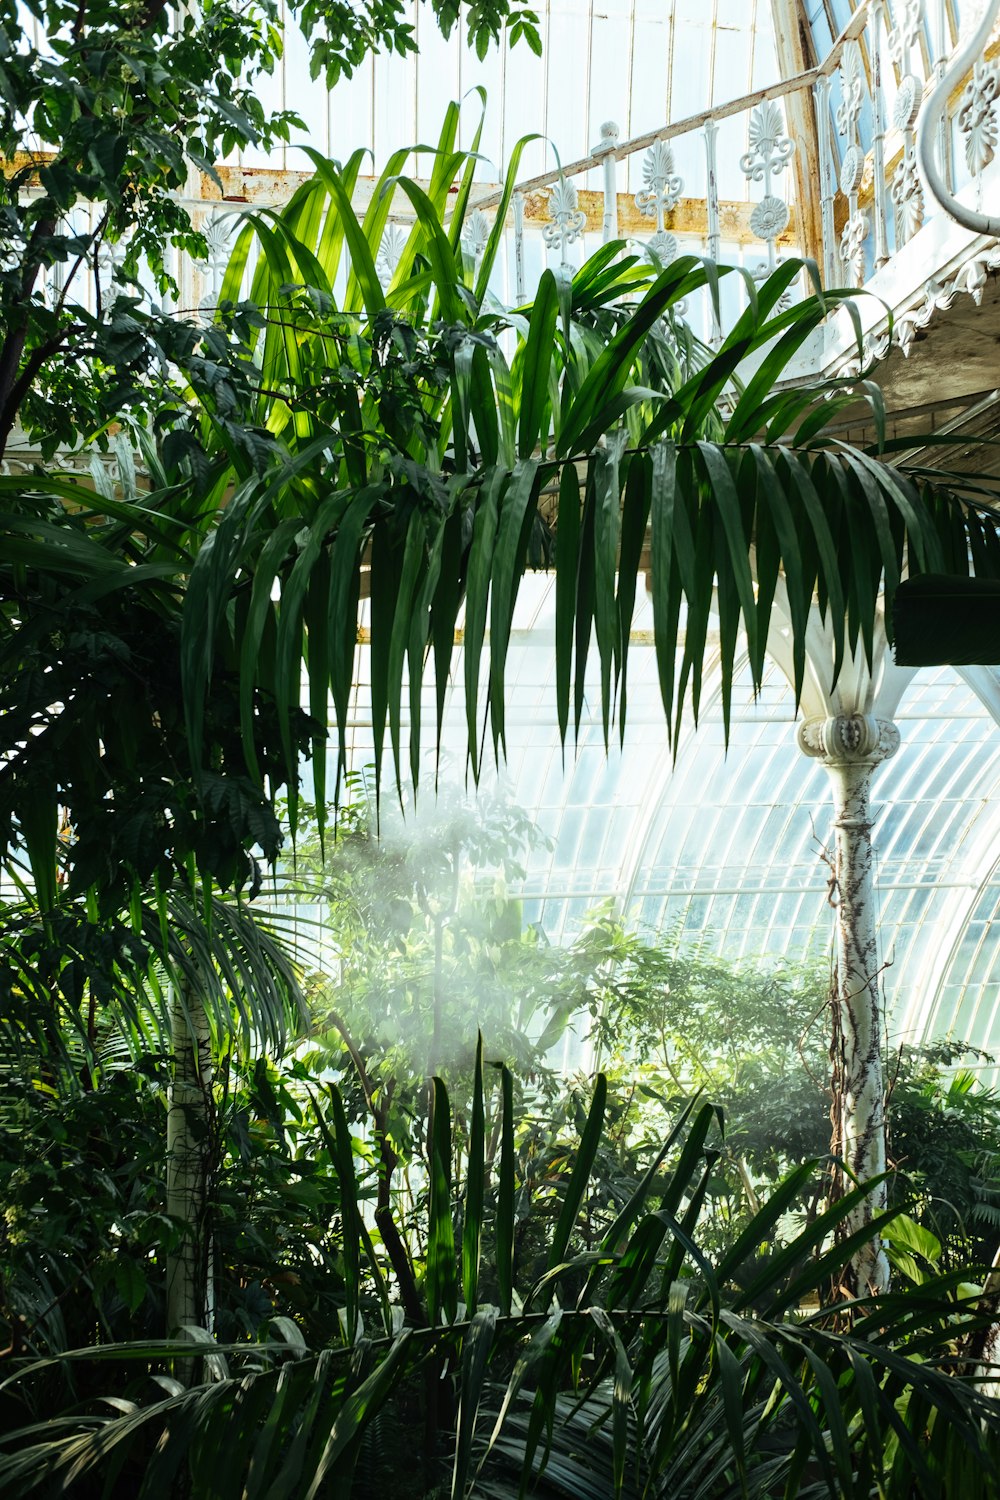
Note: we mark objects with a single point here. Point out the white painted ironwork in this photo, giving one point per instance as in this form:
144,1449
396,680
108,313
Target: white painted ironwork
977,115
930,148
714,235
769,154
850,747
390,250
827,179
878,130
109,258
606,150
852,165
218,232
940,70
519,282
902,38
476,235
658,196
567,220
906,189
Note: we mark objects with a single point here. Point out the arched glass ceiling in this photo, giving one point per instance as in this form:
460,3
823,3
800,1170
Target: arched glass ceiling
727,848
638,62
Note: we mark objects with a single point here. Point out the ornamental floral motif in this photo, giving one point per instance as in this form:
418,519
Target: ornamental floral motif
568,221
852,246
660,193
852,75
770,149
476,234
852,170
662,185
769,218
977,116
662,247
390,250
769,154
903,36
109,258
763,269
907,193
970,279
908,101
218,233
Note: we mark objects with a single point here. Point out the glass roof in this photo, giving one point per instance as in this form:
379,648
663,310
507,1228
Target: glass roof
637,62
728,848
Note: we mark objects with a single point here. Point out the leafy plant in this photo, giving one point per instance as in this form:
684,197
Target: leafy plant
102,117
658,1368
437,443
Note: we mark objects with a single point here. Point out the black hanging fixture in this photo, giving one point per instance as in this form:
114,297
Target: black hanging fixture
939,619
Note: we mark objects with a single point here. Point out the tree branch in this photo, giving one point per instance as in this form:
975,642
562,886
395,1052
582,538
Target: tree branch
20,387
13,344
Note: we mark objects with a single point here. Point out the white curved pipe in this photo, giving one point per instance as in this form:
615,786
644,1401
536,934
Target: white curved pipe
934,109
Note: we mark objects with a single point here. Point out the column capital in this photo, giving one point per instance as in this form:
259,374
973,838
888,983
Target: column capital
848,739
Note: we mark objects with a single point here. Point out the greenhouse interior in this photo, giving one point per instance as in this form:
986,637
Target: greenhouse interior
500,778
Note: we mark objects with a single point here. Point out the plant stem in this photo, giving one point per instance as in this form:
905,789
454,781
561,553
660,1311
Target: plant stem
188,1136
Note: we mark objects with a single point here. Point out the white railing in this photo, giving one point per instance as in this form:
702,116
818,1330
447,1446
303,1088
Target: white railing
866,99
826,164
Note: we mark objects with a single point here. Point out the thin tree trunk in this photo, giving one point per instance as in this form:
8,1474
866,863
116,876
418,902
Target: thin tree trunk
850,747
189,1127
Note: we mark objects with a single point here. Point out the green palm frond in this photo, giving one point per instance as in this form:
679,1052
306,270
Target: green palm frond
671,1385
588,417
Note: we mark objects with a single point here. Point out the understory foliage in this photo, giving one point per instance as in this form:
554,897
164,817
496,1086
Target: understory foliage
644,1366
612,1285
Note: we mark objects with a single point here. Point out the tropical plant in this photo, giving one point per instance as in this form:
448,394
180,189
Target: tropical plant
161,993
118,919
104,110
86,1238
421,445
648,1367
442,422
556,425
674,1019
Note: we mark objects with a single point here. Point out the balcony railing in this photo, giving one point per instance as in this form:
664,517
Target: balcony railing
826,164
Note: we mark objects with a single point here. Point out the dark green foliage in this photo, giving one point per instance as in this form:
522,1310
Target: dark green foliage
945,1141
84,1234
81,1183
93,717
656,1377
